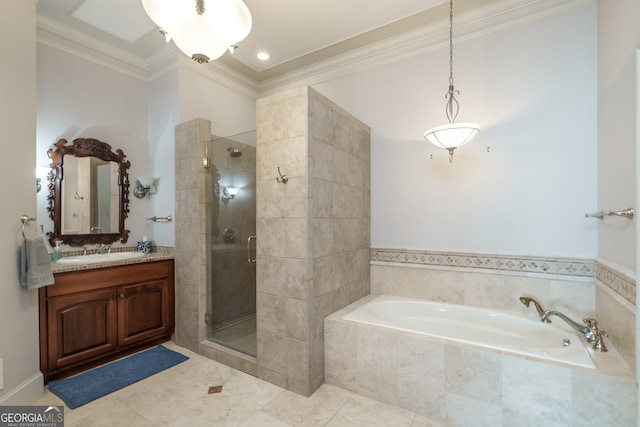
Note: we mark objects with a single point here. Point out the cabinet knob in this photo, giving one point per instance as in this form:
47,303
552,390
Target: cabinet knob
121,295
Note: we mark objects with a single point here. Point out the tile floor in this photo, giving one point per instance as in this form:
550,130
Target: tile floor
240,336
178,397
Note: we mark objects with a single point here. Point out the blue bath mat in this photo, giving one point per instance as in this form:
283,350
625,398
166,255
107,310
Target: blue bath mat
91,385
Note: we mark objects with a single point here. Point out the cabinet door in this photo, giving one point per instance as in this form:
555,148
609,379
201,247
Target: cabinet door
143,312
81,327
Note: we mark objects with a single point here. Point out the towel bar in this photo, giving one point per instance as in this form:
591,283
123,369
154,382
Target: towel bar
168,218
25,220
627,213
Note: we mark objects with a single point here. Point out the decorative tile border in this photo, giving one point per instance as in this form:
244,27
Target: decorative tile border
620,284
519,264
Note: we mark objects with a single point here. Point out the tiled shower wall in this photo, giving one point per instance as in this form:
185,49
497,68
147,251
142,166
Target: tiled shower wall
191,238
313,232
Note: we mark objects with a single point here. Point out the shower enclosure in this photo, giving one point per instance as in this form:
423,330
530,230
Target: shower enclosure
230,207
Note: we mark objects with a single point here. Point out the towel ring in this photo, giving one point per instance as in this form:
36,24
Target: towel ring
25,220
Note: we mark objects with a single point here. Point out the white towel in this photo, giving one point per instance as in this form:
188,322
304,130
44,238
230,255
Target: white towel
35,265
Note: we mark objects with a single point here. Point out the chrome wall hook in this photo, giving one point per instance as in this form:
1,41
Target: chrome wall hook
283,178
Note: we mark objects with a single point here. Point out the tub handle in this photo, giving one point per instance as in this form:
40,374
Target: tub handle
249,258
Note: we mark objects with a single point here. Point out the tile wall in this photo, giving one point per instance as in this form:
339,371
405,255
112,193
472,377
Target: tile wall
313,232
576,286
459,385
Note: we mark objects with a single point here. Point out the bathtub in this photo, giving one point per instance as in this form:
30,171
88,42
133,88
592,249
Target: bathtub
489,329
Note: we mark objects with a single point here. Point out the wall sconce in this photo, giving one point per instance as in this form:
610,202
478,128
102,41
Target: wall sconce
41,172
144,185
229,193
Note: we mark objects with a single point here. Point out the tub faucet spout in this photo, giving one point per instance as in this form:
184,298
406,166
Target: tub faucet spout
590,330
528,300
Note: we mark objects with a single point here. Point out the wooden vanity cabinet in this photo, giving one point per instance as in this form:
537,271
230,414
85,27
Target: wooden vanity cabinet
93,316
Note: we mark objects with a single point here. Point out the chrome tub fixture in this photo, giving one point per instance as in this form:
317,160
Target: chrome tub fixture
528,300
589,329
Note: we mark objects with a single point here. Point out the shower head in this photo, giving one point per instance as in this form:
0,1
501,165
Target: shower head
234,152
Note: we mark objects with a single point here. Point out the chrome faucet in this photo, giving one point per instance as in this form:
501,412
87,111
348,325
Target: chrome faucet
103,247
528,300
590,330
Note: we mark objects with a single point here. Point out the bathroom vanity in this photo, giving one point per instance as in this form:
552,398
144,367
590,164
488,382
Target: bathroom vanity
95,315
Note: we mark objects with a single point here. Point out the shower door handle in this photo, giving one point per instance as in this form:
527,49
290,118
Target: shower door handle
250,259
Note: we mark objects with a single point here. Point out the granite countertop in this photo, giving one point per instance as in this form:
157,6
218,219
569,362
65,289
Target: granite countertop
159,253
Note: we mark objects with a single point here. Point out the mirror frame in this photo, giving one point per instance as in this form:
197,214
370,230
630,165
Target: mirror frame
85,147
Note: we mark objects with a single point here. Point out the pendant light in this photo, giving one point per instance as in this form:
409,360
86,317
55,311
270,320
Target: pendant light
452,135
202,31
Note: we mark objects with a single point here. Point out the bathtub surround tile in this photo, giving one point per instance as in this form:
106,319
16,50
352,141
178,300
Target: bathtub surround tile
463,411
421,376
616,277
512,418
487,290
544,266
615,307
619,321
456,385
474,374
538,388
340,353
603,401
376,371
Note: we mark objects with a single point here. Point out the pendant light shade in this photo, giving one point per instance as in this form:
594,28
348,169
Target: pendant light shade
452,135
203,31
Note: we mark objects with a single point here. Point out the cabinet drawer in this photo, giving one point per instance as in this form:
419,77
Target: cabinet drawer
80,281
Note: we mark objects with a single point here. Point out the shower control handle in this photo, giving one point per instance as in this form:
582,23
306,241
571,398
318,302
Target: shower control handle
249,258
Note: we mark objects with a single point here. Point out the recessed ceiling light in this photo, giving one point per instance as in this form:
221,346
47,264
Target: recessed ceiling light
263,55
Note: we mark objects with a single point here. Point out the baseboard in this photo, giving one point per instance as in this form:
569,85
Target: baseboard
26,393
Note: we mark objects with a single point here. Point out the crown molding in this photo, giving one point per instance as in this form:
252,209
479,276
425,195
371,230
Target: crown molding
472,22
64,38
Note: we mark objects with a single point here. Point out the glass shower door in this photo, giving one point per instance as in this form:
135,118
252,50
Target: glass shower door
231,230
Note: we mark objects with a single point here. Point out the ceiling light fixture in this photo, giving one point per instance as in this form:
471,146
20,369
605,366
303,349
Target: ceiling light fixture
452,135
202,31
263,55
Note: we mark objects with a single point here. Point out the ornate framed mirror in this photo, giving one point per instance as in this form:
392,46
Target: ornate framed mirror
88,193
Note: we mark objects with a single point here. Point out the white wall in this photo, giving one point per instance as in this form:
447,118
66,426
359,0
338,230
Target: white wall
79,98
229,111
532,89
18,307
164,115
618,39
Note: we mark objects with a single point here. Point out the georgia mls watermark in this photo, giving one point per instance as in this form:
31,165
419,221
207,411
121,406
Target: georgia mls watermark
31,416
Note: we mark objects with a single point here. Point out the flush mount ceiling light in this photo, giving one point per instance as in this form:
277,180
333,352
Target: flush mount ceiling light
263,55
202,31
453,135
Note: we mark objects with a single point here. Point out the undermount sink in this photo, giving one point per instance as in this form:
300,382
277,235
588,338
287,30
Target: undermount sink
96,258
